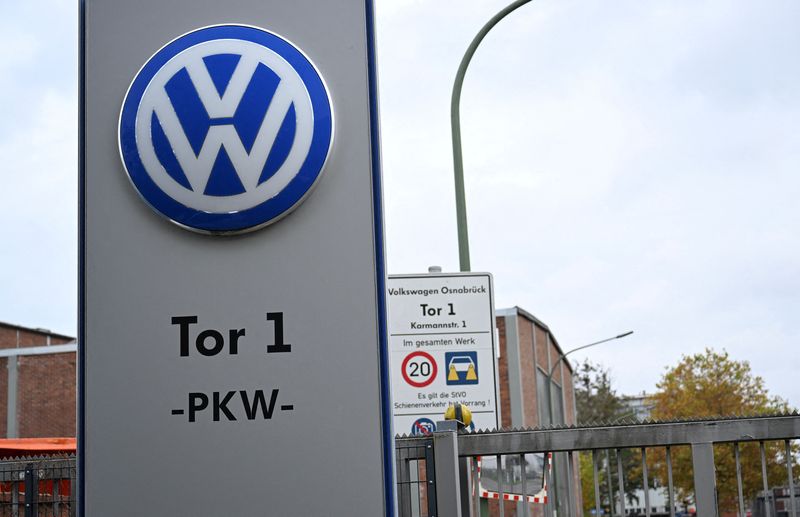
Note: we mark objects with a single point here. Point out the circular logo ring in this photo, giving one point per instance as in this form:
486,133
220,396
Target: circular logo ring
226,129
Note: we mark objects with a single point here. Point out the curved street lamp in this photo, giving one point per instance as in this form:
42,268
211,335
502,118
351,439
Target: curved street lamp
624,334
561,358
455,123
550,386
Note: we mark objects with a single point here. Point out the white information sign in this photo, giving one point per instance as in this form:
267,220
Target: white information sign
442,348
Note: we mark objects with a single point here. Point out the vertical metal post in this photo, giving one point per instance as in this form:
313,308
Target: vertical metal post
15,495
500,485
403,482
31,491
550,509
430,476
621,483
739,478
791,478
670,486
73,500
524,503
705,482
12,428
415,500
646,483
767,504
573,510
611,500
56,490
448,489
463,481
596,484
476,495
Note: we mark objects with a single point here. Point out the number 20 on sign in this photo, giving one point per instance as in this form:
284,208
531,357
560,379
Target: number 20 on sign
419,369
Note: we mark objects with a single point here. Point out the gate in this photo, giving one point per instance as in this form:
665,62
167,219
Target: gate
37,487
416,478
516,452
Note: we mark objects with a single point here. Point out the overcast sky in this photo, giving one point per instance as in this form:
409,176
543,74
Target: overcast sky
629,166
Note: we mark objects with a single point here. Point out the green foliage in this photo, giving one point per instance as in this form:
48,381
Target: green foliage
607,464
597,402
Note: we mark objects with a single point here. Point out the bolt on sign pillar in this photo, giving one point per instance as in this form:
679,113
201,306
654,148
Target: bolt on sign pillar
232,293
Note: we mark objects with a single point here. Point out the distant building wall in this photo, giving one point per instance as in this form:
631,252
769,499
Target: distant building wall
15,336
528,350
38,385
46,395
638,407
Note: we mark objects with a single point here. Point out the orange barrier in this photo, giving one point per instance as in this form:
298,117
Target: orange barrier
22,447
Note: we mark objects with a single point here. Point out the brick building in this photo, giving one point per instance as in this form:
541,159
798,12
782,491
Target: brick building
37,383
528,351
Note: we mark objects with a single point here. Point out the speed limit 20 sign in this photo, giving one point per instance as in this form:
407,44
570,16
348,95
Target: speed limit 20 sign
419,369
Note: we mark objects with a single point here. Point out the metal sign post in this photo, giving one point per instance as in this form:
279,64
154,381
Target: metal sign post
442,342
232,290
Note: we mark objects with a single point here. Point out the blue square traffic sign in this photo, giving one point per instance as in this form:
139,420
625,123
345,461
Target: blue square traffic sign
462,367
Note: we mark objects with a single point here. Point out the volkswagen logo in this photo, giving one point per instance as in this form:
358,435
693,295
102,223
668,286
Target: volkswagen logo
226,129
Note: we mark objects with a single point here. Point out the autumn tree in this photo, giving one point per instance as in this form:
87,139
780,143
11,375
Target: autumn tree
707,385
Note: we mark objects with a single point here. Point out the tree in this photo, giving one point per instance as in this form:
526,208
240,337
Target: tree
597,403
711,384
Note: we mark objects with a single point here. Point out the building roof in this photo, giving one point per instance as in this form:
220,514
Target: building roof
527,315
44,332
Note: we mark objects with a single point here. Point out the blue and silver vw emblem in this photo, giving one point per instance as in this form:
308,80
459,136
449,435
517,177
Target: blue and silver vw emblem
226,129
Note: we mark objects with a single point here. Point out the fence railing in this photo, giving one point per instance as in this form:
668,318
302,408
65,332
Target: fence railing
416,478
713,465
37,487
618,470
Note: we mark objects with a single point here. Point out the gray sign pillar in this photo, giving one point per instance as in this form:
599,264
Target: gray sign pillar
239,374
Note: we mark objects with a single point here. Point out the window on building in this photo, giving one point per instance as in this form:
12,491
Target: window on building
544,407
541,395
558,404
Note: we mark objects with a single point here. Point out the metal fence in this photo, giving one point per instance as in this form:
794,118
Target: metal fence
37,487
705,468
416,478
543,472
